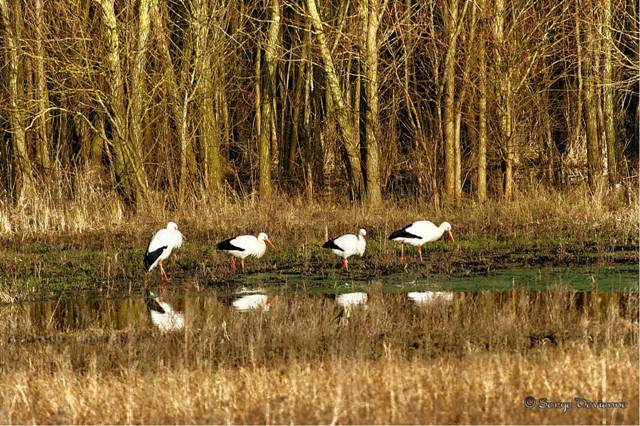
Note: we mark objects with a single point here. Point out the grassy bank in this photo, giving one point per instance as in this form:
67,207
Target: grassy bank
472,360
48,248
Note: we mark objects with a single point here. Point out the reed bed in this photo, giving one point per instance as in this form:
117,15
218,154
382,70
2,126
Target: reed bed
573,215
482,388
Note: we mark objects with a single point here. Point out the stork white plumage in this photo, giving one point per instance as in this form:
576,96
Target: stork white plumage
349,301
160,247
345,300
244,246
163,315
347,245
422,298
252,302
419,233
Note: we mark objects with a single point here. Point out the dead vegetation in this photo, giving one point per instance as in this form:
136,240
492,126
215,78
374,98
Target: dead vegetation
540,214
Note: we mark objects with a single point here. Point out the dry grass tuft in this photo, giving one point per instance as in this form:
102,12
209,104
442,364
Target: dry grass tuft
92,207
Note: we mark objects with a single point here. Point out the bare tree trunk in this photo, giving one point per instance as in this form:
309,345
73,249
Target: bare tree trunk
258,92
85,135
267,107
457,152
549,145
504,103
116,89
356,98
507,131
209,82
43,134
311,146
26,188
211,134
175,89
598,94
579,55
98,143
128,170
482,114
226,127
275,148
326,129
295,119
609,114
591,112
371,22
436,134
449,113
137,92
342,110
591,119
469,40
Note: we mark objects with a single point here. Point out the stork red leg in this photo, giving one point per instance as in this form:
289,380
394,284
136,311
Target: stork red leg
163,274
233,264
420,252
242,264
401,251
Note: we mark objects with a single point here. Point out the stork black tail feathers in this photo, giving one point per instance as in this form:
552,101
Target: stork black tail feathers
228,245
151,256
402,233
152,303
331,245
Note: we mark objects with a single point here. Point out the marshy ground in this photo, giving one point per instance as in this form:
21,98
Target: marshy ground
545,304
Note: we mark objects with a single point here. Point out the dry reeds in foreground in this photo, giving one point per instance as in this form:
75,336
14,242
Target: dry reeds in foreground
477,388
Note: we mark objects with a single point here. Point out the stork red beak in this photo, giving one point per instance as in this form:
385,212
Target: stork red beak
450,235
270,243
366,238
184,237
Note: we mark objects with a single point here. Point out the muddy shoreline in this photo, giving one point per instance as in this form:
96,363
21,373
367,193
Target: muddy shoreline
31,269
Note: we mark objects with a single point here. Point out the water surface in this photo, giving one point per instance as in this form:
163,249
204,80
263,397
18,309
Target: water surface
181,303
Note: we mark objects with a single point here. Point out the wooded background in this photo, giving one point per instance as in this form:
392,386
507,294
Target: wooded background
361,99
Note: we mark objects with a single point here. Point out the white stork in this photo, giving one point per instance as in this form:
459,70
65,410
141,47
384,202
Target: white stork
422,298
162,314
251,302
345,300
348,245
418,233
160,247
349,301
244,246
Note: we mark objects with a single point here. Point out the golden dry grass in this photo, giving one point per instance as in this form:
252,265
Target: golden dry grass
471,361
536,212
478,388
